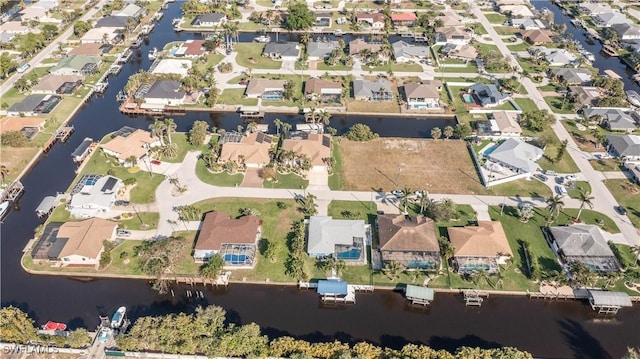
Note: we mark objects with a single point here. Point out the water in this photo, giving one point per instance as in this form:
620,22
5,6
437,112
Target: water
548,329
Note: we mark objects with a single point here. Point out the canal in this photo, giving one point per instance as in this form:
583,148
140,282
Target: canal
547,329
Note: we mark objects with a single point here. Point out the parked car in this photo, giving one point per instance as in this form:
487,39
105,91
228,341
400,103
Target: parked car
419,194
571,178
121,203
621,210
541,177
123,233
398,193
549,172
155,162
561,190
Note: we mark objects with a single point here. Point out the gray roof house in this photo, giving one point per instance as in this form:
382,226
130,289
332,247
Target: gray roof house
321,50
627,147
614,119
338,238
165,93
584,243
94,198
282,50
560,57
378,90
487,95
209,20
627,31
607,19
517,155
34,104
573,76
527,24
131,10
403,52
118,22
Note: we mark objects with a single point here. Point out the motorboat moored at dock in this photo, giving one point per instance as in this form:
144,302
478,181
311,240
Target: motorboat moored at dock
118,318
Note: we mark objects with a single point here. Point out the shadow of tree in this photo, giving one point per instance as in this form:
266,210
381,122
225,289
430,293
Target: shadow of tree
583,344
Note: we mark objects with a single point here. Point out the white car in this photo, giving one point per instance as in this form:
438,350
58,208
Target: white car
398,193
561,190
571,178
123,233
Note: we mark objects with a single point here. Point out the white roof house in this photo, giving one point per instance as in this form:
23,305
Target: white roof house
516,10
404,52
329,237
98,34
95,198
517,155
172,66
505,123
560,57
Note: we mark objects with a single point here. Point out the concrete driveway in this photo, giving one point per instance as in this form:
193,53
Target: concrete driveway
252,178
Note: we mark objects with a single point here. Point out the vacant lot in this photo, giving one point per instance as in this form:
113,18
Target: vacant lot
436,166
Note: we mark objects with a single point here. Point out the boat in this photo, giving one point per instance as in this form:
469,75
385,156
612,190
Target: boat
153,53
609,50
54,326
263,39
633,97
4,208
338,33
636,78
176,21
118,317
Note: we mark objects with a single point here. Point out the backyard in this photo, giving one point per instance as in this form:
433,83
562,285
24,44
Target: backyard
236,97
250,55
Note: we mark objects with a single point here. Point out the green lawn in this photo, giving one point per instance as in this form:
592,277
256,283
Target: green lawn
522,187
288,180
336,180
526,104
137,219
495,18
523,46
580,185
359,210
400,67
486,48
236,97
628,195
556,105
589,217
250,55
506,30
184,146
605,165
217,179
565,165
324,67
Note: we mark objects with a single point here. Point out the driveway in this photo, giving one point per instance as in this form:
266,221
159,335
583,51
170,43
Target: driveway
318,179
252,178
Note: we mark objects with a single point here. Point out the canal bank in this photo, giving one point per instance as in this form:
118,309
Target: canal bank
546,329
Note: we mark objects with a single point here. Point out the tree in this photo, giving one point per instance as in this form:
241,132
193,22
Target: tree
360,133
157,130
300,17
582,275
448,132
211,269
4,172
289,88
132,160
158,257
168,151
446,248
562,149
170,127
247,211
6,64
585,198
392,269
16,326
49,31
462,130
278,123
79,338
537,120
436,133
80,28
405,198
13,139
554,206
525,212
198,133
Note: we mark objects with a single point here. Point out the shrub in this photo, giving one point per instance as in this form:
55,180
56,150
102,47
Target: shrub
361,133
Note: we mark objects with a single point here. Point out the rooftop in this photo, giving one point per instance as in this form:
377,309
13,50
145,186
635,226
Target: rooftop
219,228
399,233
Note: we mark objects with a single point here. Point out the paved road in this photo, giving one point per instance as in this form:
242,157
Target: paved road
53,46
604,201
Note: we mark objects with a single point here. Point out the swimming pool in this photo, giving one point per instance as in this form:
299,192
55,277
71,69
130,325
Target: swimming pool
467,98
489,150
235,259
349,255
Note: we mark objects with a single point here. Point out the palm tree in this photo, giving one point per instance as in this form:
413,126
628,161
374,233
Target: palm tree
305,38
286,127
168,151
423,200
635,250
157,130
211,269
436,133
405,198
132,160
555,205
170,127
584,198
392,270
4,171
278,123
448,132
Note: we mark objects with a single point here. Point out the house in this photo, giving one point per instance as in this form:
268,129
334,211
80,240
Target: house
626,147
316,147
58,84
487,95
6,37
481,247
265,88
408,240
191,49
450,19
423,95
377,90
505,124
560,57
464,52
209,20
16,123
94,197
403,52
627,32
527,23
323,20
325,91
90,49
510,2
75,244
47,4
252,149
453,35
634,170
403,19
594,8
16,28
612,118
108,35
607,19
37,14
286,51
34,104
114,22
127,144
357,45
76,65
376,19
131,10
321,50
537,36
516,10
166,93
342,239
172,66
235,240
572,76
584,96
517,155
584,243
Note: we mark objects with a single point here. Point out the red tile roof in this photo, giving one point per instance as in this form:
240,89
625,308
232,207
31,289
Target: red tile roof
404,16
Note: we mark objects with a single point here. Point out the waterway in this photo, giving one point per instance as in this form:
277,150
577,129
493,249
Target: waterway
547,329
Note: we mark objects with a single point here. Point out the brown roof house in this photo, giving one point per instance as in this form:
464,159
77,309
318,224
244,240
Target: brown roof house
265,88
58,84
90,49
315,147
325,91
453,35
191,49
252,149
17,123
357,45
480,247
410,241
75,243
424,95
126,144
234,239
374,19
537,37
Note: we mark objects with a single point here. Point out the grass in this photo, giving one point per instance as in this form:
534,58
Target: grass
627,194
580,185
289,180
236,97
522,187
60,214
526,104
565,165
181,139
506,30
495,18
336,180
377,107
605,165
523,46
322,66
556,105
589,217
150,219
584,138
247,51
365,211
217,179
395,67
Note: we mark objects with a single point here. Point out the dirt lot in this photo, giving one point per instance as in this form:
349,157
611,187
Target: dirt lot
16,158
390,163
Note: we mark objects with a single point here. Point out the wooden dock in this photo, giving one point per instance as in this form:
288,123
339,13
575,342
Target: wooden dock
12,192
474,297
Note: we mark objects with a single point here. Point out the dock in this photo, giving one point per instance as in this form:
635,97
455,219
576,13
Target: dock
12,192
606,302
251,113
474,297
419,295
612,74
